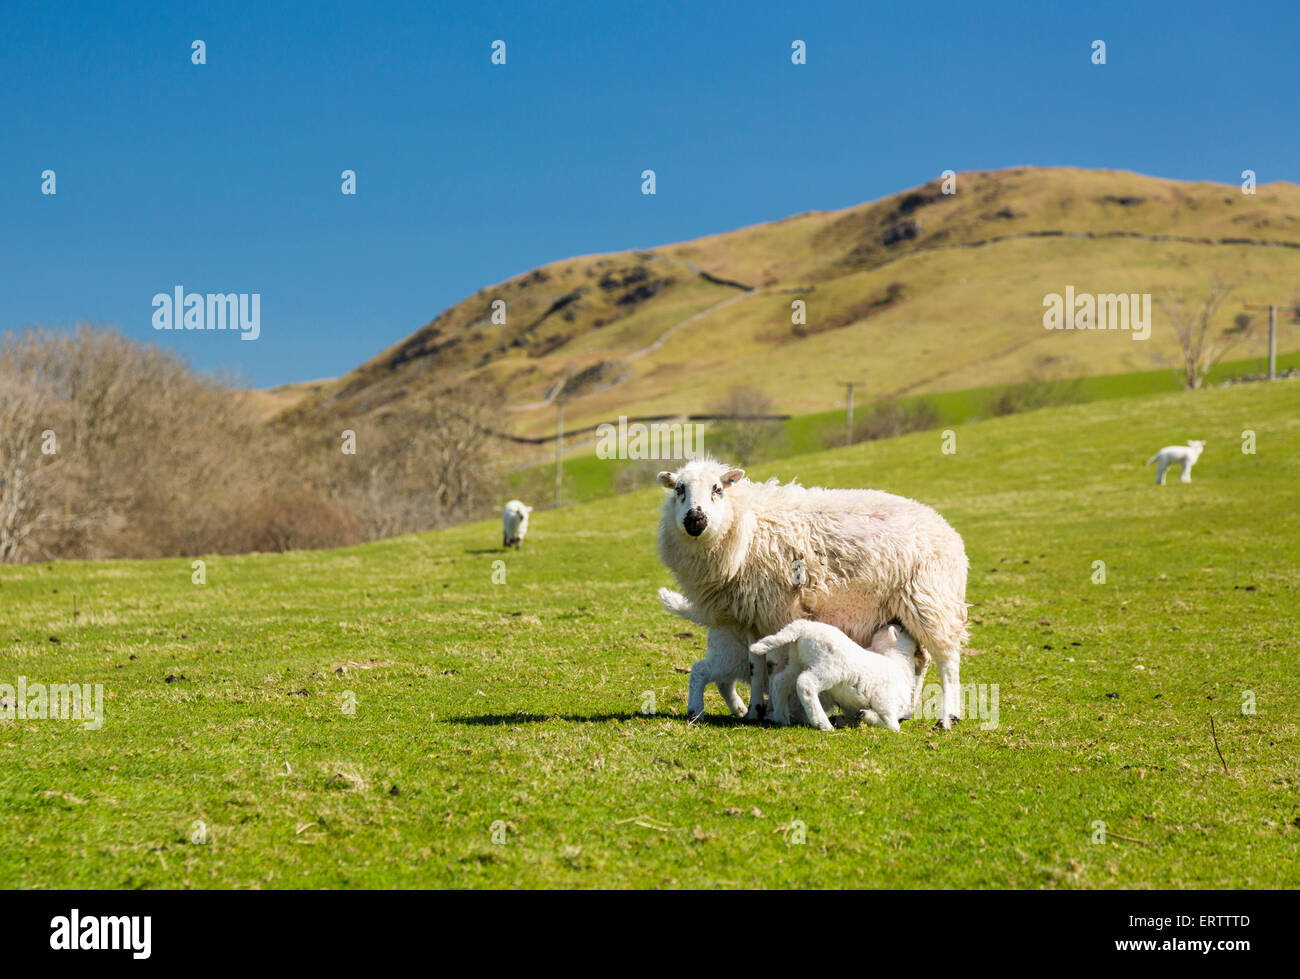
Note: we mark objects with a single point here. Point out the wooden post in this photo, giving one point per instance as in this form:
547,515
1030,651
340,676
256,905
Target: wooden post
1272,342
1272,335
848,412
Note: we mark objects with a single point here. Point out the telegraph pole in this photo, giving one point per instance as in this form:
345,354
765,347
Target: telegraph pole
848,414
559,448
1272,334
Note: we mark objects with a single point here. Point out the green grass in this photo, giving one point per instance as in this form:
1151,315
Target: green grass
587,477
521,701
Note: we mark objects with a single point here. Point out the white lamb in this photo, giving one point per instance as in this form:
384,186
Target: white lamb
725,663
824,665
514,523
1184,455
866,559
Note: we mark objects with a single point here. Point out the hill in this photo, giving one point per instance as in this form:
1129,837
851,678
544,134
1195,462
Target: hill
918,292
498,735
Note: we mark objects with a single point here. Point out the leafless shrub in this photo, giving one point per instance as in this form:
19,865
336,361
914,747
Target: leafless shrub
154,459
1202,347
745,435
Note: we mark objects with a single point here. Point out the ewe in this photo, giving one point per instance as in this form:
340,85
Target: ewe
866,558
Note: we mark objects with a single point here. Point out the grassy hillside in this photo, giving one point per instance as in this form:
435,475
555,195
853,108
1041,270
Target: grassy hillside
588,477
519,703
918,292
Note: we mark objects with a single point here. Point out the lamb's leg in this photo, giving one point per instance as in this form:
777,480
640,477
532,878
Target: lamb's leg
757,686
1187,472
782,687
809,691
701,675
1161,466
727,688
949,662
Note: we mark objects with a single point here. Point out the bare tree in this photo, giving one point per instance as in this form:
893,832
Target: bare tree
745,431
1191,319
27,426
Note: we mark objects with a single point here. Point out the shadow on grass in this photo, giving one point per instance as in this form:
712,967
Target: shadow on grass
722,720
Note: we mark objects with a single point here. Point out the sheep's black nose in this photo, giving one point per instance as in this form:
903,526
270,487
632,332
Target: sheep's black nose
695,521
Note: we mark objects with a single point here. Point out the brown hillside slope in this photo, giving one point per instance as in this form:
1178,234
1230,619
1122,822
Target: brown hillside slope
917,291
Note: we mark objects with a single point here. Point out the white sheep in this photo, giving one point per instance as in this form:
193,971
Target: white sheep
868,558
514,523
1184,455
825,666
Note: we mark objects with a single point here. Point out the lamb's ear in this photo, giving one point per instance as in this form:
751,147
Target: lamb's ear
528,509
733,476
893,635
668,479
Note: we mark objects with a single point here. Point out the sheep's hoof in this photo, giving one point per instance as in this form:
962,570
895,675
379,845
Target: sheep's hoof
941,726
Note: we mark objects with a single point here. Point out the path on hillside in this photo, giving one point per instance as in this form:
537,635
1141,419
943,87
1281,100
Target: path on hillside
664,337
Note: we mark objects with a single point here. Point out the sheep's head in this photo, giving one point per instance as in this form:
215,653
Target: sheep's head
1196,444
699,502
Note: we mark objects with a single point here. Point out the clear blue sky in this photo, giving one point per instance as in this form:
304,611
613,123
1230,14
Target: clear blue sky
225,177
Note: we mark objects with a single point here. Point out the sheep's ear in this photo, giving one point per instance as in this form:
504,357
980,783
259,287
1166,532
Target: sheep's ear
668,479
733,476
528,509
893,635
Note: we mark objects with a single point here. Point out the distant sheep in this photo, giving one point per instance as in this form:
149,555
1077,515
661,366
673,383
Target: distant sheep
868,558
1184,455
514,524
824,665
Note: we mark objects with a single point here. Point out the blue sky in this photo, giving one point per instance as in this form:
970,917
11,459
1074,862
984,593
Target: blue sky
225,177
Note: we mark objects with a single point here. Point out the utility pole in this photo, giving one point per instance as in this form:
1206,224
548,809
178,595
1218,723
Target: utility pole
848,414
559,448
1272,334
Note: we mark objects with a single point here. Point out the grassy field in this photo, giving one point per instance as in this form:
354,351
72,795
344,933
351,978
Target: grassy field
516,701
588,477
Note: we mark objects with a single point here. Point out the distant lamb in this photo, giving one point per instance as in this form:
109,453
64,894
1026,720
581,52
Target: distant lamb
1184,455
823,664
514,524
868,558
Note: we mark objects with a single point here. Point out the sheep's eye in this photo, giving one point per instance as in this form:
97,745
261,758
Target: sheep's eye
681,490
717,491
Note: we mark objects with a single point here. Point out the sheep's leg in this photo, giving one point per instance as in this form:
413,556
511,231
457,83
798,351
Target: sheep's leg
949,661
810,696
1161,466
757,686
727,687
1187,472
918,681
